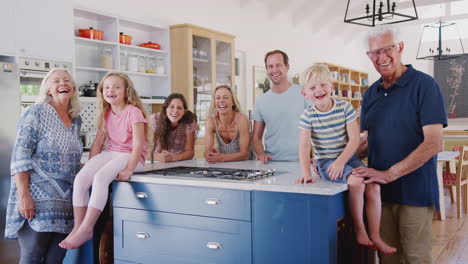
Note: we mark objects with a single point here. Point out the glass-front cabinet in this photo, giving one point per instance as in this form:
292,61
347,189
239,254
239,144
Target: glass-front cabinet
201,60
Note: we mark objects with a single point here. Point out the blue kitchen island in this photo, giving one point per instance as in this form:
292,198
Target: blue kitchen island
171,219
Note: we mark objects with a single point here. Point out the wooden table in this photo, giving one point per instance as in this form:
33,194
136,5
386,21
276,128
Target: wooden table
442,158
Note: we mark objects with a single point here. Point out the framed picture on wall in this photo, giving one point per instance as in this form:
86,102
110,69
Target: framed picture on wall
261,82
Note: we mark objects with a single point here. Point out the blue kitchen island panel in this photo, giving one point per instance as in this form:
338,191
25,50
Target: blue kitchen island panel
211,202
295,228
154,237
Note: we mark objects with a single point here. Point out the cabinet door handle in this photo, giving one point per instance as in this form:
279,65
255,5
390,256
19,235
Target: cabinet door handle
141,195
214,245
212,201
143,235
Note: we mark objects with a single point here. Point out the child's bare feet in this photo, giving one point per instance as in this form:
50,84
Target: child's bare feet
382,246
76,239
363,239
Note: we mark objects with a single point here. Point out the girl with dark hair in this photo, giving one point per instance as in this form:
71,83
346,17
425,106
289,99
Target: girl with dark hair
174,131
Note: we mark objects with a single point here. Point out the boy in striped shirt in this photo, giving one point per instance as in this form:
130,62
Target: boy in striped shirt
331,126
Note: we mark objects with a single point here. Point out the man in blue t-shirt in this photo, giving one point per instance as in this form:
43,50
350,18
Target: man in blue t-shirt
402,116
278,111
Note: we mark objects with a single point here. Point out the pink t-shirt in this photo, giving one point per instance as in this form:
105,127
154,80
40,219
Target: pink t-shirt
119,130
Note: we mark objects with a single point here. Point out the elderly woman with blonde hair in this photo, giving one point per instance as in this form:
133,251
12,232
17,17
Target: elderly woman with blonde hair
229,126
45,160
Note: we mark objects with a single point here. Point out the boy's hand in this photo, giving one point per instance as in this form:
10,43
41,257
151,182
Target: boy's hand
335,170
306,179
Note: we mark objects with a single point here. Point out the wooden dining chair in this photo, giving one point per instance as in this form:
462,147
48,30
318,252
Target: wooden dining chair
458,179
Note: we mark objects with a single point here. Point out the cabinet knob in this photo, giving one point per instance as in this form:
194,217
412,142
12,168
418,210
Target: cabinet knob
212,201
214,245
141,195
142,235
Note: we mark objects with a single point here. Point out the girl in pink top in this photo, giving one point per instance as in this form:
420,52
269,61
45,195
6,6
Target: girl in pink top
174,131
122,121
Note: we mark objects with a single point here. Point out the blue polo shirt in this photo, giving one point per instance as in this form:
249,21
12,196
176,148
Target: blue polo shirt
394,118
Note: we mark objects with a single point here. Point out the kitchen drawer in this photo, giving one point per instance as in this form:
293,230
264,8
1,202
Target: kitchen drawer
222,203
155,237
118,261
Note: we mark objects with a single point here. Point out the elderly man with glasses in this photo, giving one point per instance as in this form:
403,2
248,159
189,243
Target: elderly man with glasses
402,116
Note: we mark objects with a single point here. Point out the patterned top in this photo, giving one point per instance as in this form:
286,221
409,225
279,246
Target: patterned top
51,153
328,129
177,136
231,147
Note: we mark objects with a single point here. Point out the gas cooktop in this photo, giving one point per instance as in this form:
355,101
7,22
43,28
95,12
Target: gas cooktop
218,173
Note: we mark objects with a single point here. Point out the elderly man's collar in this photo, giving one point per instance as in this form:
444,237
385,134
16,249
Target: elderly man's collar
402,81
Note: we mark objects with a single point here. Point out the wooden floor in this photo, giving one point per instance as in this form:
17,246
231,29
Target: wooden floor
450,237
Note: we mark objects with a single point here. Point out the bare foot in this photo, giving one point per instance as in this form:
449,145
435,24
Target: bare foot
382,246
363,239
77,239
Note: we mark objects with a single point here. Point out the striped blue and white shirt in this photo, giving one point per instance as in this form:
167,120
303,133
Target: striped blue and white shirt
328,129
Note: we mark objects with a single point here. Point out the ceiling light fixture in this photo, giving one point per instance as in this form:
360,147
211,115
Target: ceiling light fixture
381,12
440,41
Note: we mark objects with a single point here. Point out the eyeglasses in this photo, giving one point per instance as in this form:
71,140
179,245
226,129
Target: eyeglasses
386,50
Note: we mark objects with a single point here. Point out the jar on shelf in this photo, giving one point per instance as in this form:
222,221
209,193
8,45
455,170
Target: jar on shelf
160,68
141,64
132,63
151,64
106,59
123,61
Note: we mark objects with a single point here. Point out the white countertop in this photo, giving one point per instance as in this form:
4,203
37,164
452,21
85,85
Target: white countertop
282,181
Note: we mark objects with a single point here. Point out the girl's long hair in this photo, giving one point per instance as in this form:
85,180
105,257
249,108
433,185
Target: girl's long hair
132,98
161,135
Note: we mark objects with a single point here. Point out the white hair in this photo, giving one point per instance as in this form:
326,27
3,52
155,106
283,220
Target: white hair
74,107
380,30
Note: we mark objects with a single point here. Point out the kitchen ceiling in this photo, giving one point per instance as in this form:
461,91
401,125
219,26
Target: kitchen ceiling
318,12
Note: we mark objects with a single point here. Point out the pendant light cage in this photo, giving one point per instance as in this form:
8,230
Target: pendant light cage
377,12
440,41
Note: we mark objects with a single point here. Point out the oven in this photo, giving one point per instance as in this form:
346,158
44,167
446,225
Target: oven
32,71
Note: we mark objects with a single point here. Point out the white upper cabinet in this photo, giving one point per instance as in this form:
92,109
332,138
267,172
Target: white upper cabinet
7,44
43,28
148,68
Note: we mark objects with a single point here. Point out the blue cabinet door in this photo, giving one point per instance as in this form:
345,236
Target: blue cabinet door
221,203
295,228
154,237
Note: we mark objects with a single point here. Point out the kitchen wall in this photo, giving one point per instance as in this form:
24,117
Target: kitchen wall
309,31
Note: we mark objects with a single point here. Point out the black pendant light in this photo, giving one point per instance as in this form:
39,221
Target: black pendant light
379,12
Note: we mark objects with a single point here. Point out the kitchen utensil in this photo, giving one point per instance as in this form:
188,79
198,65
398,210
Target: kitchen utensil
150,45
89,89
92,33
125,39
